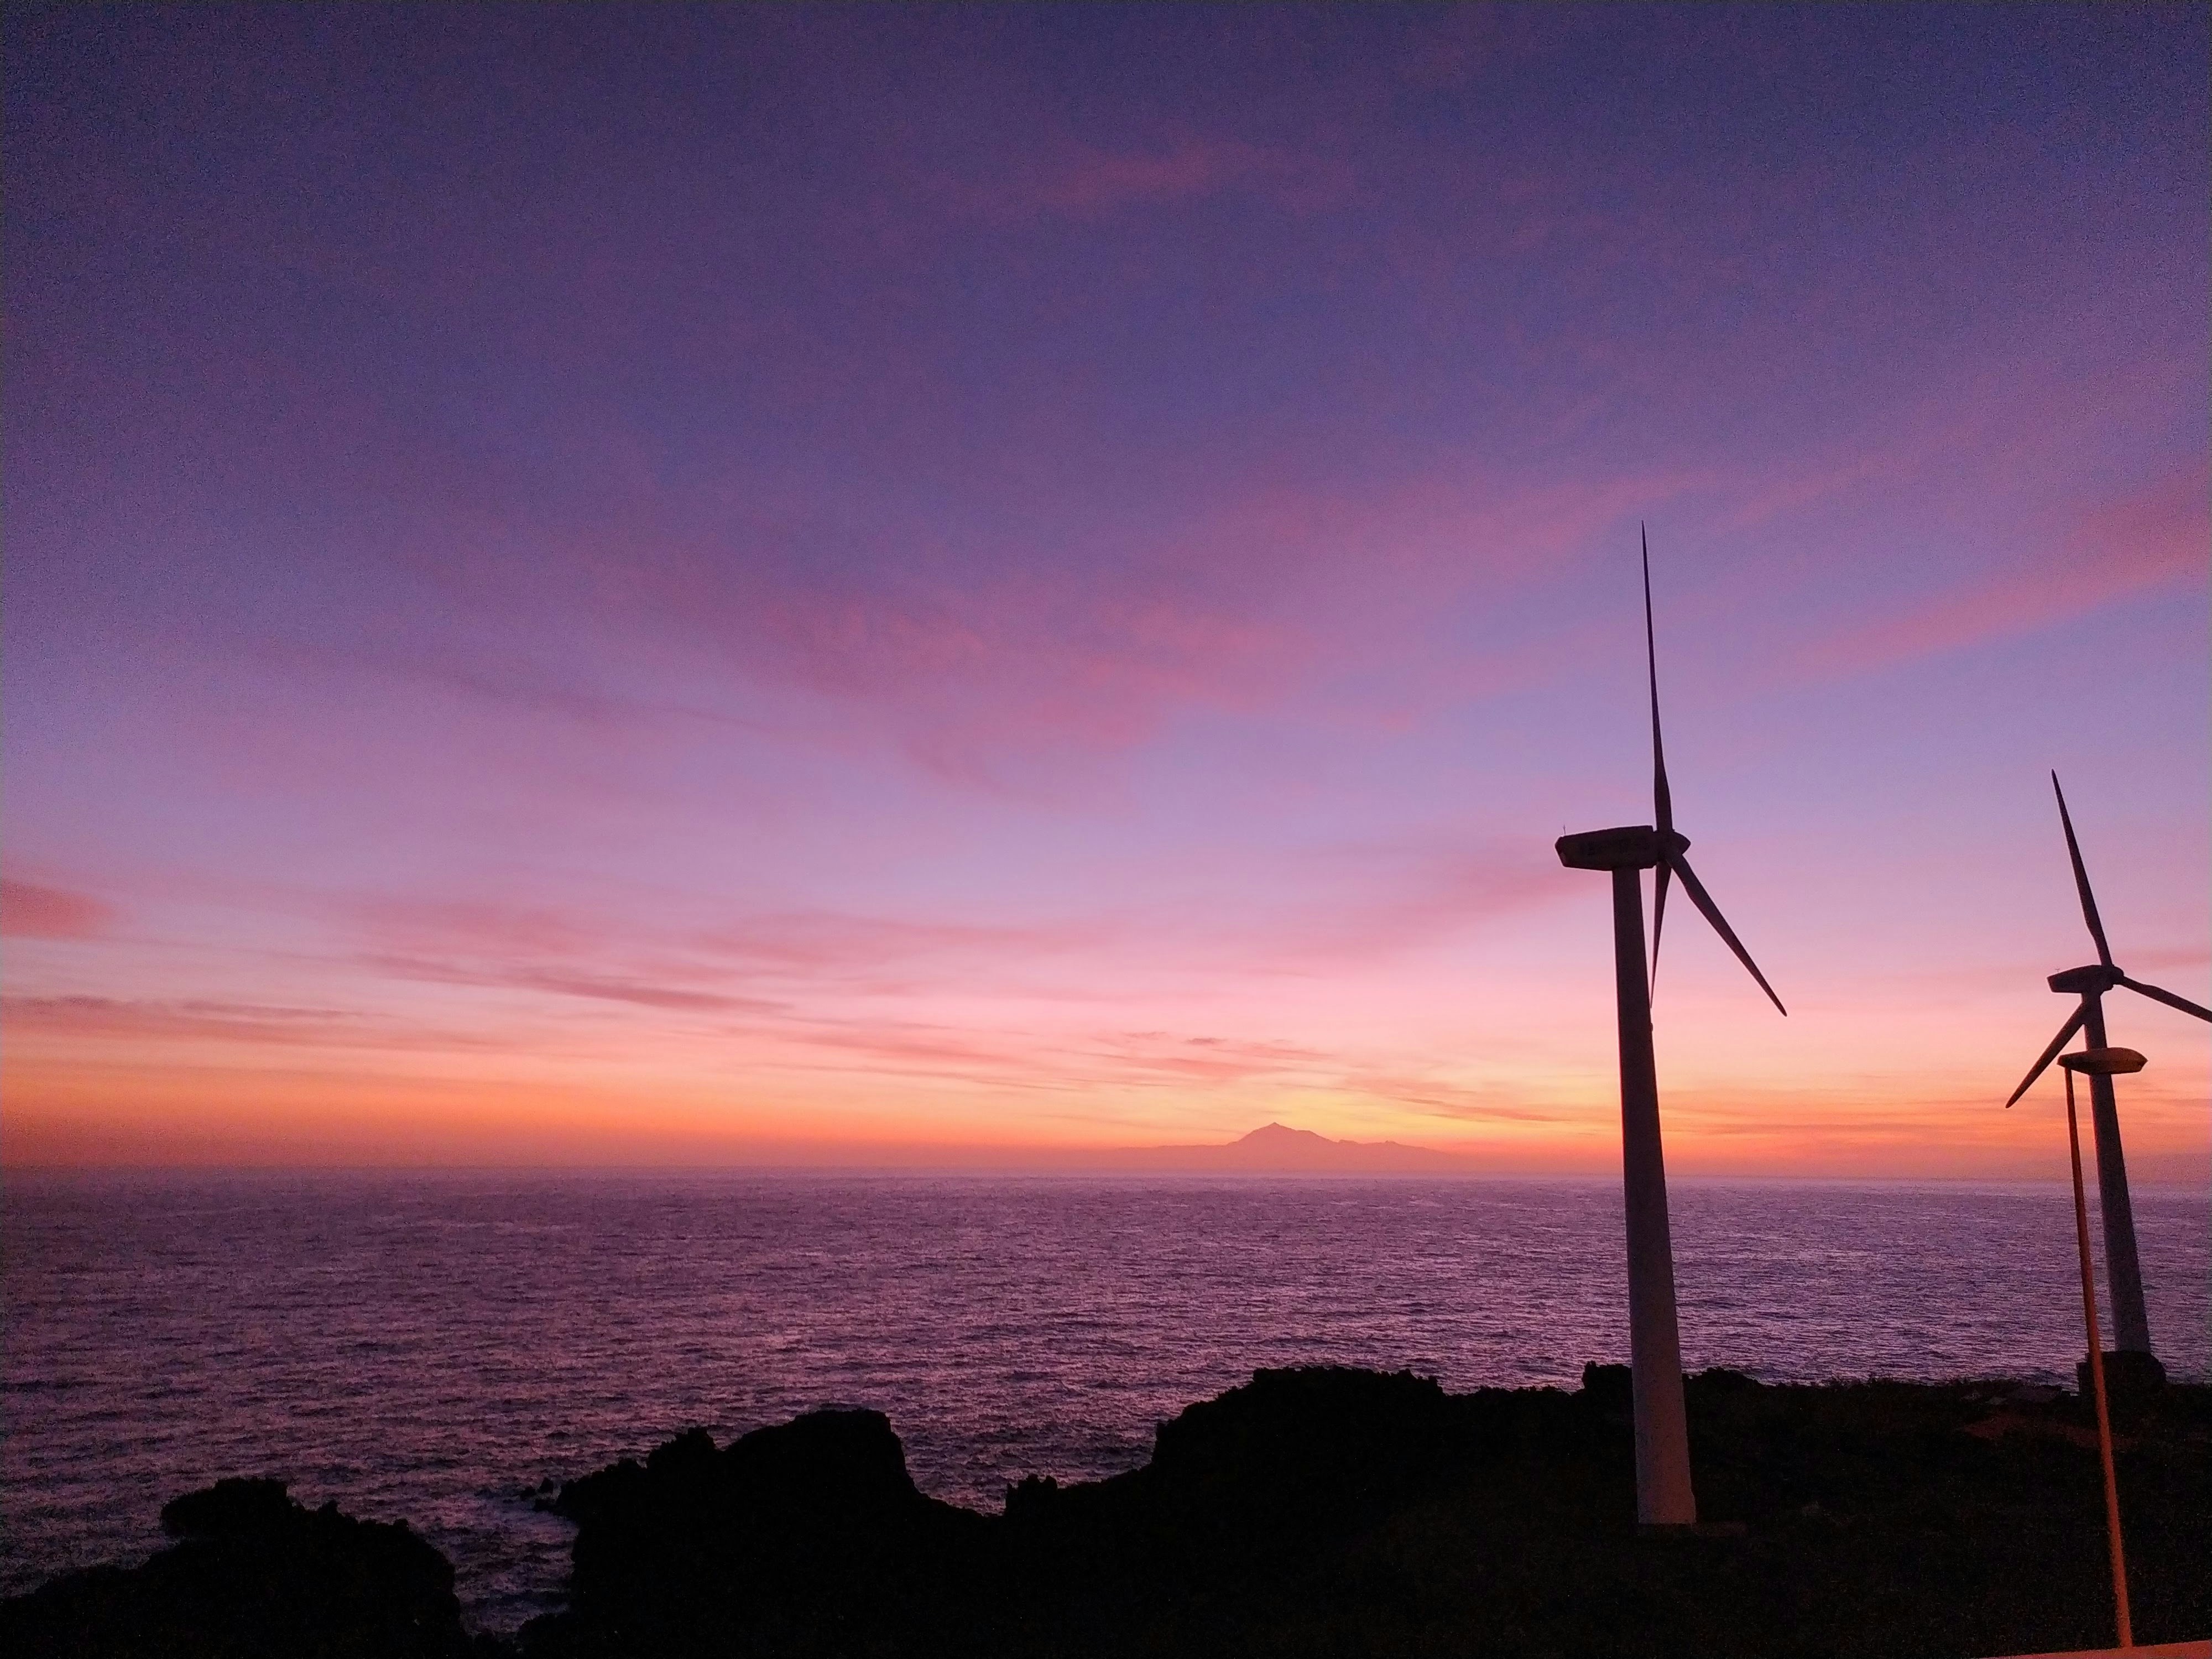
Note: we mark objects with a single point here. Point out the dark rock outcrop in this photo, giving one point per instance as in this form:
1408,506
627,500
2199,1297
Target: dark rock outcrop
806,1538
2131,1377
1314,1512
253,1574
1326,1511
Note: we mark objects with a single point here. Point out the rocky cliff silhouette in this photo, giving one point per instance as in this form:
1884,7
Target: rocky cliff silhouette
253,1576
1309,1512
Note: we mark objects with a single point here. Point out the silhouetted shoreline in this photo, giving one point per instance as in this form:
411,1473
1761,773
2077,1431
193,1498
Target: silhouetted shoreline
1315,1511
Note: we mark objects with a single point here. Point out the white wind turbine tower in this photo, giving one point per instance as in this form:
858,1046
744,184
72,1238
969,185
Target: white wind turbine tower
1664,1496
2123,1270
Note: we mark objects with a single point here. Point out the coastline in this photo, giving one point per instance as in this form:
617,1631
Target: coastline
164,1336
1323,1510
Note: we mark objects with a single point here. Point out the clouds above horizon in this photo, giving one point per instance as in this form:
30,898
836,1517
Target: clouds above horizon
28,910
908,543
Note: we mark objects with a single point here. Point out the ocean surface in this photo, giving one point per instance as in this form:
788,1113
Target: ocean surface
447,1348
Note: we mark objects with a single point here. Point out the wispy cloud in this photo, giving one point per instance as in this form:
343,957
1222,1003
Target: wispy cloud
1340,906
597,988
28,910
798,942
1457,1102
1158,1057
207,1020
2153,539
565,950
1386,899
1083,181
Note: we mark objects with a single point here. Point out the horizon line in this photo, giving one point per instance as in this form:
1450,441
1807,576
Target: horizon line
12,1171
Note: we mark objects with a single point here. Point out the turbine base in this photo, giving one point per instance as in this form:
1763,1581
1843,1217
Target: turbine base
2130,1375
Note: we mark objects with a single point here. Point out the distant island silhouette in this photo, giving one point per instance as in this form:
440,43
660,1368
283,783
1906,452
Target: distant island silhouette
1277,1149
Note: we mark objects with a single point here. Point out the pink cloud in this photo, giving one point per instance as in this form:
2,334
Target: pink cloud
810,941
2143,962
1054,1063
2153,539
600,987
906,1048
962,653
1403,897
1162,1057
1083,181
1447,1100
597,596
1458,45
30,911
1348,903
474,925
1098,180
533,948
1244,604
214,1020
966,673
789,971
770,943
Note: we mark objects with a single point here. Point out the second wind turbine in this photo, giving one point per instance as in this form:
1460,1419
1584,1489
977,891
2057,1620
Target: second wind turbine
1664,1497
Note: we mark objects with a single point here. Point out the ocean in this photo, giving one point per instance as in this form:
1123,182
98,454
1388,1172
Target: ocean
448,1348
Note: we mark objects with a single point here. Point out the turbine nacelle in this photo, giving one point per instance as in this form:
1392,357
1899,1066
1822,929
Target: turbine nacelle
2094,980
1632,846
2104,1062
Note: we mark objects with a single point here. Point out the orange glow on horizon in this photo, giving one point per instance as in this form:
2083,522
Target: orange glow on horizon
84,1113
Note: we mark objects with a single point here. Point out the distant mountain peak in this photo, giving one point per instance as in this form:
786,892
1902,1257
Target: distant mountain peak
1278,1148
1281,1134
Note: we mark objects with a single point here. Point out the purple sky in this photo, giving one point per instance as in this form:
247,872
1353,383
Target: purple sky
603,584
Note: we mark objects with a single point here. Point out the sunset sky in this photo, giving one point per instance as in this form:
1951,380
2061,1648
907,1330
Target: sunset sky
938,586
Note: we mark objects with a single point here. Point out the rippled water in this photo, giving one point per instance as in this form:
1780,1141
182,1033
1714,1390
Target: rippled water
435,1347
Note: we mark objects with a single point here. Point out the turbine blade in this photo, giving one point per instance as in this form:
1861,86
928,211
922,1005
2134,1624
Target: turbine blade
1712,911
2065,1035
2166,996
1659,918
2082,878
1662,800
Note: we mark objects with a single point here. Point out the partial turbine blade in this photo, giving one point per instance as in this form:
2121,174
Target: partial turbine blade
1703,900
2065,1035
1662,801
2166,996
2082,878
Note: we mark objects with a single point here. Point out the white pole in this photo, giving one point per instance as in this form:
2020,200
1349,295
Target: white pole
2123,1270
1664,1494
2097,1377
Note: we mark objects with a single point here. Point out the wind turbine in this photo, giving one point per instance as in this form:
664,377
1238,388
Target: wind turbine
1664,1497
2123,1270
